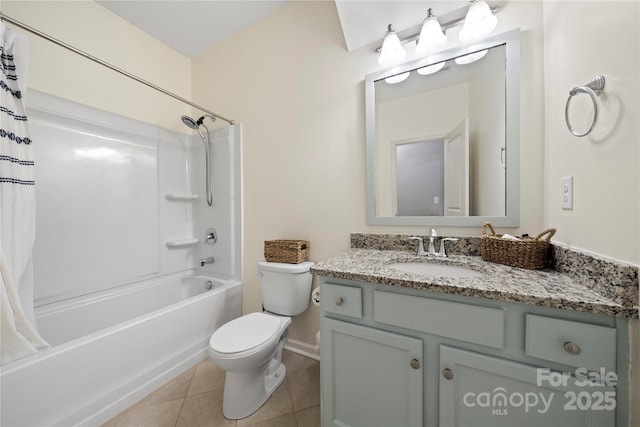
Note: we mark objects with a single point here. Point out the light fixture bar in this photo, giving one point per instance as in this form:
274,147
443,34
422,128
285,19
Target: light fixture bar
447,21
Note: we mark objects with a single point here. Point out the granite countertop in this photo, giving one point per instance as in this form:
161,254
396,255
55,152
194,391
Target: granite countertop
548,288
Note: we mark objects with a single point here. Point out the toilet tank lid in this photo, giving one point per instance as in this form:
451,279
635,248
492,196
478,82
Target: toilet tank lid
280,267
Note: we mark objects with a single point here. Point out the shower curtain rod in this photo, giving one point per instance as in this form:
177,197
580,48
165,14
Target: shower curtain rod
45,36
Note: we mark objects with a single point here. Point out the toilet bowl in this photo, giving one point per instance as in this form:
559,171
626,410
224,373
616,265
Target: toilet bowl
249,348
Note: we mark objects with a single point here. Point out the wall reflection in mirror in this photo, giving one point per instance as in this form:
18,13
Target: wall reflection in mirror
439,135
439,138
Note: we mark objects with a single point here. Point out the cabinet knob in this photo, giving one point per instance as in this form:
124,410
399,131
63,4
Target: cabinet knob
572,348
415,363
447,374
339,301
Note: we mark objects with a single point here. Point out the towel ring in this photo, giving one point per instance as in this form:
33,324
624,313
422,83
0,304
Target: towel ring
593,89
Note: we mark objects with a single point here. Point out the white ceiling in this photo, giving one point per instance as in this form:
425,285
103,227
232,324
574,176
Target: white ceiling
191,27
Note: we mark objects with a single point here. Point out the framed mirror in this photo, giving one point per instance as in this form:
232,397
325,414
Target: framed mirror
443,138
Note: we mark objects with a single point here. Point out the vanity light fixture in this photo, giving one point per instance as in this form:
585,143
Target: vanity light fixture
479,22
471,57
431,69
431,36
392,51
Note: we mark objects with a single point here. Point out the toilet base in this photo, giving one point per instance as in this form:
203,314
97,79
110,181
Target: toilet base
245,392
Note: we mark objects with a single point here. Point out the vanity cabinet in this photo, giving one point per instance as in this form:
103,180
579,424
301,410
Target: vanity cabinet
375,377
477,390
394,356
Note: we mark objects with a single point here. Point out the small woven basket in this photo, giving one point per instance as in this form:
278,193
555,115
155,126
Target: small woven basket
531,253
287,251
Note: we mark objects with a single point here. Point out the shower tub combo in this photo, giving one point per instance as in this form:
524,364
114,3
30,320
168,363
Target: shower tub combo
115,291
111,350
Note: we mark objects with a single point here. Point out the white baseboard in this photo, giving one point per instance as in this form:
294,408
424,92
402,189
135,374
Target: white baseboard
303,349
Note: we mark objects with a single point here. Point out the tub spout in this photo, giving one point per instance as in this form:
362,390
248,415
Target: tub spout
209,260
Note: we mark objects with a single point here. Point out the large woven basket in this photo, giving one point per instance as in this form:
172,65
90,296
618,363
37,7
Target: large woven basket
531,253
287,251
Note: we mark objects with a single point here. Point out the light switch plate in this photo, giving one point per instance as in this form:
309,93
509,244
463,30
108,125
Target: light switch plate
566,193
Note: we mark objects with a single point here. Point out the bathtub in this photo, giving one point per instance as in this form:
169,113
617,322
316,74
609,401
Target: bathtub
110,350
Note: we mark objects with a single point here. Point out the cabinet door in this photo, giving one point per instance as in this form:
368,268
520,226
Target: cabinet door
370,377
478,390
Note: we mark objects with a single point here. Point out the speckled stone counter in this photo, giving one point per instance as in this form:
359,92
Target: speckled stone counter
549,287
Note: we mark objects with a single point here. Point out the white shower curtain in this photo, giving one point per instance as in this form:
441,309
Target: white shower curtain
18,335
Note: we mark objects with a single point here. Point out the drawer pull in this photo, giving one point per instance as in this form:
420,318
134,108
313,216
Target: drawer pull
339,301
415,363
571,348
447,374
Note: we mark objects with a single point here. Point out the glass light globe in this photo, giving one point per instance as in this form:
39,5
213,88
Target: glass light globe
397,78
472,57
431,36
392,51
479,22
431,69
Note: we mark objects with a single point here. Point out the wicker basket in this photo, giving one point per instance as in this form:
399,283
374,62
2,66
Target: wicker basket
287,251
528,253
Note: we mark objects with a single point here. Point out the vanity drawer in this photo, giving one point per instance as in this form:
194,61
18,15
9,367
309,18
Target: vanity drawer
340,299
572,343
465,322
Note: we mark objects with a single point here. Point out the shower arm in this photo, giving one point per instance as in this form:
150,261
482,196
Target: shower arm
62,44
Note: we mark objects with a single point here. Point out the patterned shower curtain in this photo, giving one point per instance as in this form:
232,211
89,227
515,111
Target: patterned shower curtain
18,335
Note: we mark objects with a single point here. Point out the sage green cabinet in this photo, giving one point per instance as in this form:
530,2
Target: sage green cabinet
396,357
370,377
477,390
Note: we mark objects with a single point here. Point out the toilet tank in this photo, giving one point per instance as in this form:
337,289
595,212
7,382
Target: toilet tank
286,288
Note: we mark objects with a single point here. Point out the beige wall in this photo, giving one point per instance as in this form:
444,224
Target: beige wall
606,201
90,27
300,97
605,165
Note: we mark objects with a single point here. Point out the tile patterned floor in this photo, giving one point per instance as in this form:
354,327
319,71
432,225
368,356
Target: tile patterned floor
194,399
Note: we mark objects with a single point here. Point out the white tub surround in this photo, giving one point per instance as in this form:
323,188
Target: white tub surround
119,292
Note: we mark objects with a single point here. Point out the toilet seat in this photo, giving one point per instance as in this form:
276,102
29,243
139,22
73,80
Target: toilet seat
245,333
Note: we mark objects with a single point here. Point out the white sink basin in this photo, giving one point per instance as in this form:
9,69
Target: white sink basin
434,270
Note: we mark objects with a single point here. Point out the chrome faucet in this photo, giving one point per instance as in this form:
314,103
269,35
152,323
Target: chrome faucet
432,236
431,250
209,260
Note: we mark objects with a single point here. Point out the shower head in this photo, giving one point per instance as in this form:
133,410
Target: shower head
189,122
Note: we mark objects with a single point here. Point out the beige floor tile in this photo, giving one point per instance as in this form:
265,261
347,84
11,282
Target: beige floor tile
294,361
207,377
288,420
159,415
309,417
202,410
174,389
278,404
305,387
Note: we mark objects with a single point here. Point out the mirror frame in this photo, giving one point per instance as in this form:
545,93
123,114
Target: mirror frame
511,40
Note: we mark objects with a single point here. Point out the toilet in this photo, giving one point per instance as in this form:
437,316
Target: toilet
249,348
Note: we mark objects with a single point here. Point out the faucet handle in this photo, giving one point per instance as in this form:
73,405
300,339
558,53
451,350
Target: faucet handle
443,252
420,250
433,233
